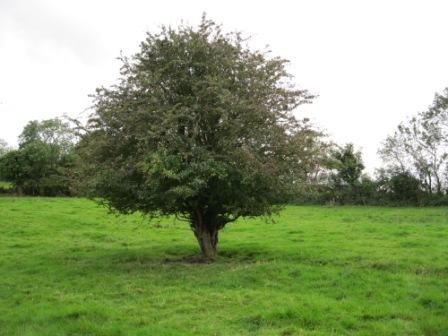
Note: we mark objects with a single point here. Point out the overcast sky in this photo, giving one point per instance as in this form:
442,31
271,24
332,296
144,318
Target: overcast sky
372,63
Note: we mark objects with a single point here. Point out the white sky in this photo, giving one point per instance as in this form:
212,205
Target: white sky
373,63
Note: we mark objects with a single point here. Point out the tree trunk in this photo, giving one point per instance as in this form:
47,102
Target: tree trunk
19,190
438,184
430,184
208,241
206,233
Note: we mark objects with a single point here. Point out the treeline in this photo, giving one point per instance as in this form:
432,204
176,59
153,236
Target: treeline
340,180
415,170
44,164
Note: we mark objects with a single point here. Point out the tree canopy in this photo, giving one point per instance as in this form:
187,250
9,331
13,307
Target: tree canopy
419,147
347,164
199,126
41,164
4,147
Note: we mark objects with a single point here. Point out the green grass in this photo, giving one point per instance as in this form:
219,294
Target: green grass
69,268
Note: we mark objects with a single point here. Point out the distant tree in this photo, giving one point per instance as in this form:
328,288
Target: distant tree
313,151
4,147
52,132
348,165
366,191
438,112
311,173
394,152
400,187
420,146
435,124
345,165
41,164
198,126
11,169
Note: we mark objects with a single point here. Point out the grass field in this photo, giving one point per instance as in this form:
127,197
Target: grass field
69,268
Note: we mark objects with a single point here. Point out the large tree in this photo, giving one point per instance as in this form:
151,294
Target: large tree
198,126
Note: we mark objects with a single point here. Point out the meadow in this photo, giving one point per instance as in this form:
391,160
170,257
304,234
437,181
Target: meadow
69,268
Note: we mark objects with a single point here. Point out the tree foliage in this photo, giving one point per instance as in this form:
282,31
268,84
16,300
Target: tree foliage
347,165
42,163
199,126
400,187
420,147
4,147
312,153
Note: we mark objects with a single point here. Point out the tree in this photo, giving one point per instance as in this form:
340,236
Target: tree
419,146
198,126
41,164
53,132
4,148
400,187
311,173
435,124
312,153
345,164
438,112
348,165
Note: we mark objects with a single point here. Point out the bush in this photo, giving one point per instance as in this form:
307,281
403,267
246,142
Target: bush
6,188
